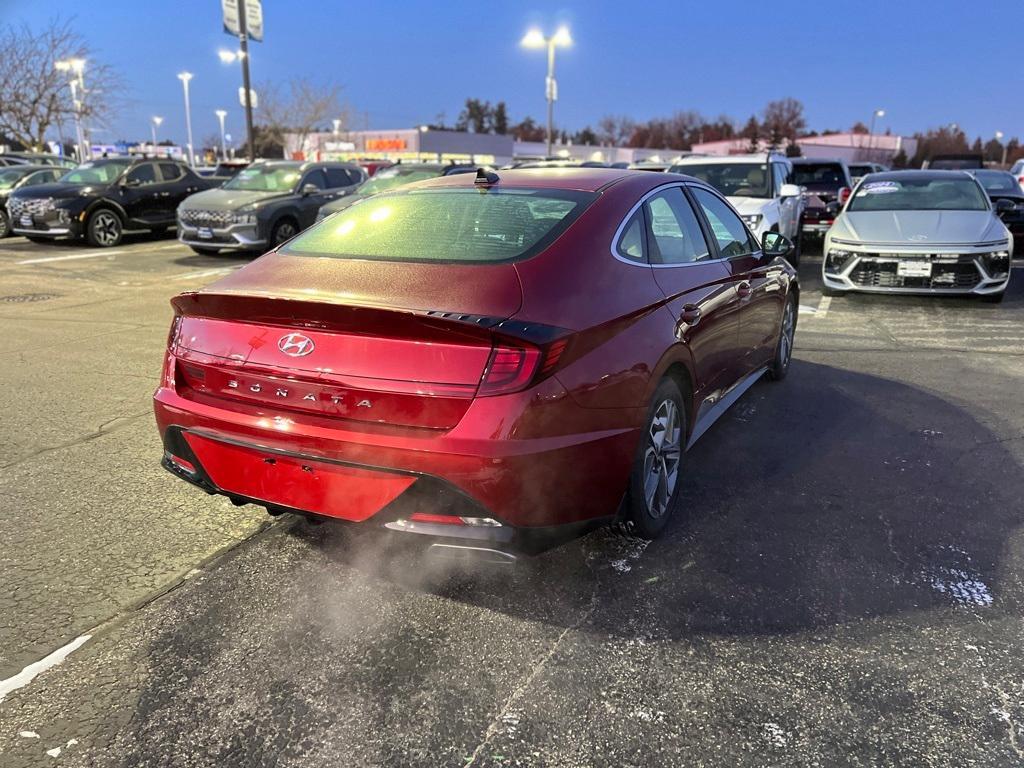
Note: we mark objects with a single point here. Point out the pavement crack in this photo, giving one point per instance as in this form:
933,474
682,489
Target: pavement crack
889,539
538,667
106,428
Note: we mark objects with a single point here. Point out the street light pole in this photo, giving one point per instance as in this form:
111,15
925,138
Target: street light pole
871,130
185,77
999,138
77,85
536,39
243,47
153,126
221,114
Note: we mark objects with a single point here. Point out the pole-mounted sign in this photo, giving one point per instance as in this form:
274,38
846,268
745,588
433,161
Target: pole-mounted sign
253,19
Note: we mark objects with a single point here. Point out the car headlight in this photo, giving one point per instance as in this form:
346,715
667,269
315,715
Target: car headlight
997,263
752,220
837,259
244,216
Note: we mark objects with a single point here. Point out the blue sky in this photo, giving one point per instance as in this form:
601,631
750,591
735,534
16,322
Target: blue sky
926,62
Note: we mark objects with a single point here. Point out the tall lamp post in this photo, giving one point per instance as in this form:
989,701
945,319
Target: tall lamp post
242,56
871,130
185,77
536,39
221,114
999,138
77,84
153,126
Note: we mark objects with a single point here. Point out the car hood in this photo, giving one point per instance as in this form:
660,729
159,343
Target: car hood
747,206
220,199
57,190
919,228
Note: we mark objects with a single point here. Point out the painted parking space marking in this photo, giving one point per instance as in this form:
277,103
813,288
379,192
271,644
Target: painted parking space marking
823,305
28,674
74,256
205,273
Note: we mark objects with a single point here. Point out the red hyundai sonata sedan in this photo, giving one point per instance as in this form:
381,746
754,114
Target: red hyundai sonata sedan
499,363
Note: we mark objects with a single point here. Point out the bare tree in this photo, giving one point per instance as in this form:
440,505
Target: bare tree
298,108
783,119
615,129
34,95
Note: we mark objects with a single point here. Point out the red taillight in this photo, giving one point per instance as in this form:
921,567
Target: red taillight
172,335
426,517
844,194
511,369
1020,179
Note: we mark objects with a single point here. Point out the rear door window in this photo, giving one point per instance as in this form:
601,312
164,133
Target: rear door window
673,232
338,177
171,171
454,225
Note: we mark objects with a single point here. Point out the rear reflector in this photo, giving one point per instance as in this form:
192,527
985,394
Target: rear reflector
188,466
476,522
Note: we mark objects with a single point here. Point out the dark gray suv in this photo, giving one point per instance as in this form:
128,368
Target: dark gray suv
267,203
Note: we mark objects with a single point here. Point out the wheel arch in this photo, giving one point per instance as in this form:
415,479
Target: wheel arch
677,364
105,204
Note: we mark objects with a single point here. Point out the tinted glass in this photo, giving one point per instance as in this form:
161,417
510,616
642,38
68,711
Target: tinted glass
96,173
316,178
9,177
920,194
338,177
779,172
265,178
40,177
144,174
731,179
675,235
733,238
171,171
445,225
631,244
822,174
997,181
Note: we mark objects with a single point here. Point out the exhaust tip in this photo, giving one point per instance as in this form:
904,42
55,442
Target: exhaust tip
468,554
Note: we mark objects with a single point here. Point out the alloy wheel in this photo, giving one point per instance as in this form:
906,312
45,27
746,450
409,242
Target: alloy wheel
786,337
284,231
661,458
106,228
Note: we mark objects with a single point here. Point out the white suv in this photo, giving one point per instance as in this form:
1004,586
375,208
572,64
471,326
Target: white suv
758,187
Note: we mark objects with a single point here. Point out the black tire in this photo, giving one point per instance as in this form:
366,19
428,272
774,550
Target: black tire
5,225
647,509
104,229
204,251
784,347
994,298
798,248
285,229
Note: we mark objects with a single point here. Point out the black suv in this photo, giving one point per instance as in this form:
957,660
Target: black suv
826,186
104,198
265,204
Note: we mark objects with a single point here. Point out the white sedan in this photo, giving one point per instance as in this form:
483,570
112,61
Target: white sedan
931,232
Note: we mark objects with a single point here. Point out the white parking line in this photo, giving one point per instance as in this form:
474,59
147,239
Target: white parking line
29,673
205,273
823,306
70,257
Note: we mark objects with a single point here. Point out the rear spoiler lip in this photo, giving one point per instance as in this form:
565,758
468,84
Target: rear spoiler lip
204,304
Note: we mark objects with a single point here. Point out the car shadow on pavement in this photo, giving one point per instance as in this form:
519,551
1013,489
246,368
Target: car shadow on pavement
832,497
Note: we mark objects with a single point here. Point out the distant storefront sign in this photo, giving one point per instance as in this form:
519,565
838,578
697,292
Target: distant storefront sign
386,145
339,146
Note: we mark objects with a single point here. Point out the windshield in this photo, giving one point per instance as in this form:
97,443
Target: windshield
731,179
96,173
265,178
470,225
997,181
819,175
860,170
919,195
8,178
395,177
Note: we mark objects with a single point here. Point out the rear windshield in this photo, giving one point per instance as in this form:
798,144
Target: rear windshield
919,195
823,174
472,225
997,181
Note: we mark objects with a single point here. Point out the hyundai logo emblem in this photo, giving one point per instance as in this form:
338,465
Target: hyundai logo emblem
295,345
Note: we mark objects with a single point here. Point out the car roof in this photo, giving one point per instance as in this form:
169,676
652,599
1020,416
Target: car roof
572,178
816,161
31,168
924,175
760,157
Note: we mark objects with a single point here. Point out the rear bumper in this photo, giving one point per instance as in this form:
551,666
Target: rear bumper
541,490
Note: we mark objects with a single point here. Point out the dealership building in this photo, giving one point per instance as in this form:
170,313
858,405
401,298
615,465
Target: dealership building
851,147
427,145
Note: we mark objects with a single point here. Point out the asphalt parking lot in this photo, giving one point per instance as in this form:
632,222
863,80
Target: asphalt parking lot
843,588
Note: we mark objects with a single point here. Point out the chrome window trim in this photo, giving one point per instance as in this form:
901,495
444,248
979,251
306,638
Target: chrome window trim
647,264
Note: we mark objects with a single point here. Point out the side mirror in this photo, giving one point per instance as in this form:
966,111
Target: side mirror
789,190
773,244
131,183
309,189
1004,206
